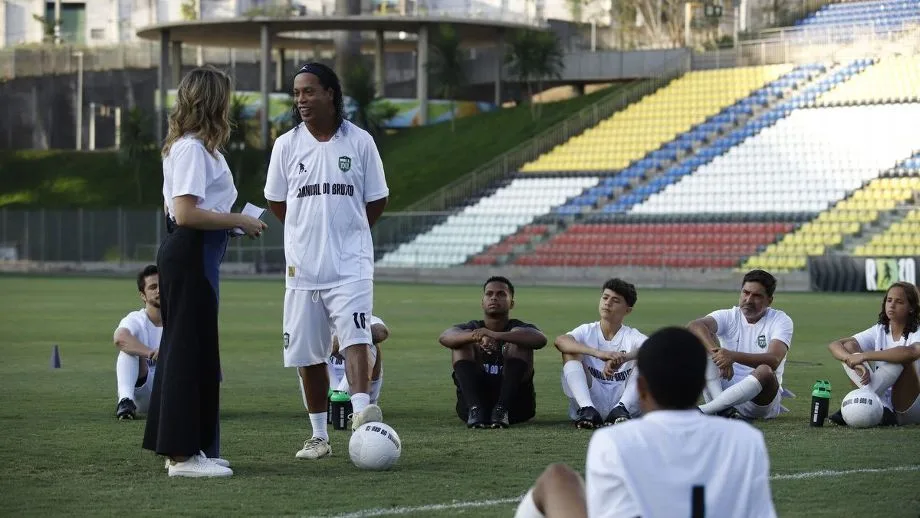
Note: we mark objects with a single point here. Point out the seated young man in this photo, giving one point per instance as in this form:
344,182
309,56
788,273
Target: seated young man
317,446
598,358
748,345
137,338
673,461
886,357
493,362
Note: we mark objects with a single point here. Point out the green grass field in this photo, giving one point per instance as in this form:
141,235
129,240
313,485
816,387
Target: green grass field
64,453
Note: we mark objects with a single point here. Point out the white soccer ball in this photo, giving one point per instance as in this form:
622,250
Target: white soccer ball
374,446
862,408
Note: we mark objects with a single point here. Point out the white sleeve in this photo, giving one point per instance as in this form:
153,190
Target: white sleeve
636,340
866,339
190,169
761,504
783,331
375,182
723,318
276,184
605,482
131,324
580,333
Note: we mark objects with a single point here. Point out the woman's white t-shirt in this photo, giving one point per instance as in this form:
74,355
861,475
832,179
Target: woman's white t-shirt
189,169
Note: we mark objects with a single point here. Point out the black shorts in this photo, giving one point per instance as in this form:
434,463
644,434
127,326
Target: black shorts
523,408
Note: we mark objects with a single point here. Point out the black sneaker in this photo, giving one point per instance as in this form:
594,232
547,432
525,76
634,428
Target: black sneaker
837,418
587,418
732,413
499,417
125,410
618,415
888,418
474,418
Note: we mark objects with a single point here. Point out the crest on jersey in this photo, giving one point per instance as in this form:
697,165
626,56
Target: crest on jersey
286,340
762,341
300,168
344,164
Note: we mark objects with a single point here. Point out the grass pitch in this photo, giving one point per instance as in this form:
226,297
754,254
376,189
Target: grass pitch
63,452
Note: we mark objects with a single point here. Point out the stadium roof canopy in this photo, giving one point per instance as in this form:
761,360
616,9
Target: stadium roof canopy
306,32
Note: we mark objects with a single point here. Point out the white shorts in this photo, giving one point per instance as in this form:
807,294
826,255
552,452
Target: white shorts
911,415
336,368
771,410
142,393
605,396
311,317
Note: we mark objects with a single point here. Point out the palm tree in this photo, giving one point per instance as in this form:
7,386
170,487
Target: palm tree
370,113
535,56
137,143
447,67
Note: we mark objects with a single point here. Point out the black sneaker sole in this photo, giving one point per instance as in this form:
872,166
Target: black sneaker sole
126,417
499,425
586,425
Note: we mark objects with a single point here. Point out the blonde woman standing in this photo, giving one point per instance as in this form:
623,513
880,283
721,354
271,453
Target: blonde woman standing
198,194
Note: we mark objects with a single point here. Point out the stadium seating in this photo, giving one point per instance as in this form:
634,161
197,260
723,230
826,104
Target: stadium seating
644,126
845,21
486,222
804,163
900,239
680,245
892,79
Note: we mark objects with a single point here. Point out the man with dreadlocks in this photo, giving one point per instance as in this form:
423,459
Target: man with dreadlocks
886,357
326,183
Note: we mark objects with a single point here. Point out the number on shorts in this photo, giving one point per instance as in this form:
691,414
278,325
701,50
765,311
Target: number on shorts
698,502
360,321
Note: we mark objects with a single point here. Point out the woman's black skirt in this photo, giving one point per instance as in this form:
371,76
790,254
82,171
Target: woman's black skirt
183,415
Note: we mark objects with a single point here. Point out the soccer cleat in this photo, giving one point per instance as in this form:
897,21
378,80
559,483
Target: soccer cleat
618,415
499,417
198,466
125,410
587,418
732,413
475,419
837,418
888,418
370,414
314,448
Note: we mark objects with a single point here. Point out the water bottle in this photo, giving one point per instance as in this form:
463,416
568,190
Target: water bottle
820,402
340,409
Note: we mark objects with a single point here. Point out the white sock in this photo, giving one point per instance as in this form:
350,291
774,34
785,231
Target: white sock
528,508
745,390
375,388
713,381
854,377
127,368
318,421
359,402
885,376
575,379
630,397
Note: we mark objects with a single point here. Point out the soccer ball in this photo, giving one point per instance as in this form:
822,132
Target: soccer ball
374,446
861,408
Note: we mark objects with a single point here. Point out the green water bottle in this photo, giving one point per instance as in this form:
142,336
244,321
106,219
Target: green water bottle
820,402
340,408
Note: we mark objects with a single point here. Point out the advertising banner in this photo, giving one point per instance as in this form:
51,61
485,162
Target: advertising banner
846,273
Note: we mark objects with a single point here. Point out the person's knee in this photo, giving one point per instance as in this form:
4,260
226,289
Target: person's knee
516,351
555,475
764,375
462,353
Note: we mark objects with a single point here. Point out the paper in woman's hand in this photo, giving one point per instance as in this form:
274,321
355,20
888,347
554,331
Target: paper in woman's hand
249,210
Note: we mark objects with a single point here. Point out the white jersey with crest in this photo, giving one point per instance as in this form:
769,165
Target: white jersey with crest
650,466
327,185
736,334
627,339
877,339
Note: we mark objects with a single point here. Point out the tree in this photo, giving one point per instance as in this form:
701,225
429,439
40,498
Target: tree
535,56
369,112
240,133
653,22
447,67
137,143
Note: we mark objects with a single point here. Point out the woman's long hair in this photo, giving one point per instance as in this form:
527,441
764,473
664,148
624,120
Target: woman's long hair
913,309
202,109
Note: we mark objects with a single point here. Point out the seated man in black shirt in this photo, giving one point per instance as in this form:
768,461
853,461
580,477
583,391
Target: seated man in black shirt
493,362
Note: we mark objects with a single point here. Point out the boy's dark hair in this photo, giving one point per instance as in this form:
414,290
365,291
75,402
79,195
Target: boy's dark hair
765,279
913,309
673,363
328,79
150,269
503,280
623,289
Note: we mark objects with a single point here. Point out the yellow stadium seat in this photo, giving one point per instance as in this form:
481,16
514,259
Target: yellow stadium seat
894,78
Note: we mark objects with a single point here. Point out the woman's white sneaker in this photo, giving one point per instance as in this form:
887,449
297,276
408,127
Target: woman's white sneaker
216,460
198,466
